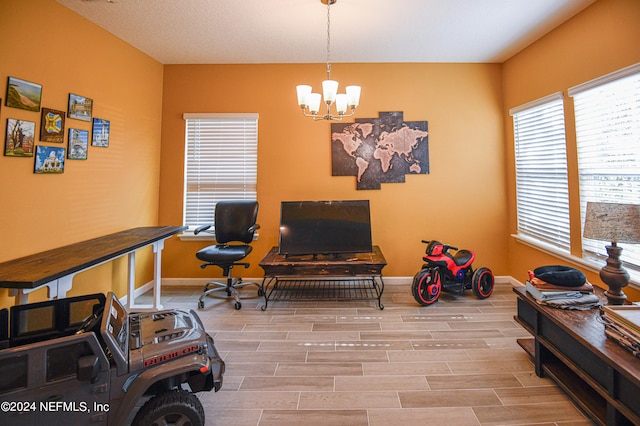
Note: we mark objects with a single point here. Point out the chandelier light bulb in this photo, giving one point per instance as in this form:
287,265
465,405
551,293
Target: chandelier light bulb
329,91
313,102
341,103
303,90
353,95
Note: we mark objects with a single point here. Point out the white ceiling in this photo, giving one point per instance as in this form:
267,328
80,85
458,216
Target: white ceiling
295,31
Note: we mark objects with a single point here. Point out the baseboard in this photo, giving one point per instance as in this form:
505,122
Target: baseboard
201,282
138,292
509,279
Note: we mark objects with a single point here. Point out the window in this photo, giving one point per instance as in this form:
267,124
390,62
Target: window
607,112
542,194
62,361
13,372
81,310
221,156
36,320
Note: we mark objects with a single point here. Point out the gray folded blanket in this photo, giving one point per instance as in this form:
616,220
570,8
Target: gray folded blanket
584,302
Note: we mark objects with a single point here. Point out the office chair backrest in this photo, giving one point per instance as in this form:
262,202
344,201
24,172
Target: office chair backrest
233,220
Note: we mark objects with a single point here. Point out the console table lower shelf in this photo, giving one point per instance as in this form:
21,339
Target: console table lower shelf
315,278
307,289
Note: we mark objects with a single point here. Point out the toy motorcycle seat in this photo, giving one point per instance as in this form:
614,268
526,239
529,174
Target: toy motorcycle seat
462,257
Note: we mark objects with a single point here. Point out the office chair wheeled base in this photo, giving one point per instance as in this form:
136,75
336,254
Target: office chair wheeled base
231,288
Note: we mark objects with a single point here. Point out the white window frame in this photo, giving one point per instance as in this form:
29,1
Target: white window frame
220,163
607,111
542,194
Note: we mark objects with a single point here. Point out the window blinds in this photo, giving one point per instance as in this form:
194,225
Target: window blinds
221,155
542,194
607,112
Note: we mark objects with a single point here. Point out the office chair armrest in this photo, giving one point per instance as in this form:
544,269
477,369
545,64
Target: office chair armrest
254,228
200,229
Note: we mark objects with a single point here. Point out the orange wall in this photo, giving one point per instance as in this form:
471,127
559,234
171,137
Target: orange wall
461,202
602,39
116,187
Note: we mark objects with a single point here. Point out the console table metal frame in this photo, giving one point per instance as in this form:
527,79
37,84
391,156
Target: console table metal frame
571,348
323,277
56,268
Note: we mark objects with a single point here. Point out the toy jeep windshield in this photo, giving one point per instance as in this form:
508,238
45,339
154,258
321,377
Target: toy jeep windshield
85,360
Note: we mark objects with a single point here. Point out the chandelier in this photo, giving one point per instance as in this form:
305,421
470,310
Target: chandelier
310,102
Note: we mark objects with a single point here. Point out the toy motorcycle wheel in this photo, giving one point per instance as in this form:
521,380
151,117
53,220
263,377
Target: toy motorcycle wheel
426,286
482,283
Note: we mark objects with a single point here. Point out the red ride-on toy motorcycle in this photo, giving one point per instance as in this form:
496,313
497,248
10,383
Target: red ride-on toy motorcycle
451,273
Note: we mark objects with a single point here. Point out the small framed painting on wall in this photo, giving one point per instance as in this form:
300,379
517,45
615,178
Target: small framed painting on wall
52,126
100,134
23,94
78,144
80,108
49,160
20,138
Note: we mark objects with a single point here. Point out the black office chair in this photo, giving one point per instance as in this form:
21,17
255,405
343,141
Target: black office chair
235,222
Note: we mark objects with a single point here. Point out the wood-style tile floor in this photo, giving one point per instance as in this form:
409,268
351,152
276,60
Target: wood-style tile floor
348,363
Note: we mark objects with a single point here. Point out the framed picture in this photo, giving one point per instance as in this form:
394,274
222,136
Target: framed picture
23,94
52,126
80,107
49,160
78,144
100,133
20,138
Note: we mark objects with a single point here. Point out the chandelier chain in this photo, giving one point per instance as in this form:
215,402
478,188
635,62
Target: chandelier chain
329,39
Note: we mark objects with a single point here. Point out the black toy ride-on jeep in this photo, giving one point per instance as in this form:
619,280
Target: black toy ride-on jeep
85,360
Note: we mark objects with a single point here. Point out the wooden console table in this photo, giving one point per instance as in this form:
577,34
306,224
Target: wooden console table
323,277
571,348
56,268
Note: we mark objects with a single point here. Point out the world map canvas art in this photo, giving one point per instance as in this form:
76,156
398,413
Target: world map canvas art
380,150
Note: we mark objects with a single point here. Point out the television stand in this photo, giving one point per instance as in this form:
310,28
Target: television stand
312,278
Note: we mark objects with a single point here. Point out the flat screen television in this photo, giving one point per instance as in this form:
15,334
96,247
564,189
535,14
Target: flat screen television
324,227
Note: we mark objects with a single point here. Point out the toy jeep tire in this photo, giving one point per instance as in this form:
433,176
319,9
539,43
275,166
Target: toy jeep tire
175,407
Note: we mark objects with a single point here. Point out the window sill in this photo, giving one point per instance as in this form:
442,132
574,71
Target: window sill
190,236
203,236
591,264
